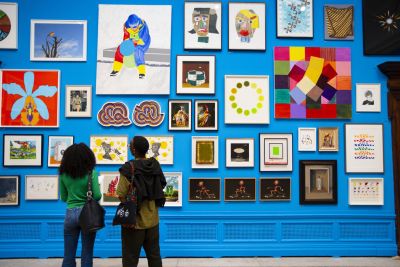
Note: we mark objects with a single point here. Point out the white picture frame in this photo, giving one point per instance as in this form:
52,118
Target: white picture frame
105,179
56,146
78,101
41,187
205,115
368,97
242,158
11,11
287,19
307,139
161,147
283,142
174,184
366,191
200,146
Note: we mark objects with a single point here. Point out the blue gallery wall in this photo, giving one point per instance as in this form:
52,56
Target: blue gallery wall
34,229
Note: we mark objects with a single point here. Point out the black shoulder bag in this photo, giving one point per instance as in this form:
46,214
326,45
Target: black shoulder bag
91,218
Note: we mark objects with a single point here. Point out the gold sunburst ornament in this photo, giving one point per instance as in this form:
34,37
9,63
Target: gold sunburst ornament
389,22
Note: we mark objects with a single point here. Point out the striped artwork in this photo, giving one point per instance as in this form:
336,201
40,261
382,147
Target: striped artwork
339,22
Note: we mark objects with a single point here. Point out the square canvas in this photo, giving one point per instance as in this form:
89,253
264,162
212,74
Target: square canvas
204,189
276,152
109,149
22,150
339,22
206,115
368,97
366,191
312,83
239,152
78,101
173,189
8,25
328,139
205,152
30,98
134,49
307,139
180,115
57,146
108,188
275,189
240,189
41,187
161,148
9,190
295,18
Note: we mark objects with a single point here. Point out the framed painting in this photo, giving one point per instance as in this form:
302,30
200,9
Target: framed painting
8,25
312,83
307,139
295,18
339,22
204,189
148,113
202,25
276,152
206,115
246,99
318,182
108,188
22,150
41,187
114,114
364,148
9,190
366,191
240,189
247,26
328,139
161,148
275,189
57,145
78,101
134,49
239,152
110,149
195,74
58,40
180,115
29,98
368,97
205,152
173,189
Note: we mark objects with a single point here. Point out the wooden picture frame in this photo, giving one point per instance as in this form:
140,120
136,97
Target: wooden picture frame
328,139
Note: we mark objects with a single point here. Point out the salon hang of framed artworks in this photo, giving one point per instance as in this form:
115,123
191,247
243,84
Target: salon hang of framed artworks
309,83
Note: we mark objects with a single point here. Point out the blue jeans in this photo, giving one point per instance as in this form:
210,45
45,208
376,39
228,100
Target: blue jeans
71,237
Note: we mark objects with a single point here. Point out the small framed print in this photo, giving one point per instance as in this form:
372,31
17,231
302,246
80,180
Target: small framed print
368,97
366,191
204,189
108,188
22,150
276,152
240,152
203,25
9,190
247,26
328,139
41,187
78,101
275,189
205,152
161,148
295,18
180,115
110,149
57,145
240,189
307,139
195,74
339,22
206,115
9,25
318,181
173,189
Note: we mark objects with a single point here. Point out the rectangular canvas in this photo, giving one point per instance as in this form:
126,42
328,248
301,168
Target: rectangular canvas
29,98
366,191
41,187
328,139
134,49
180,115
276,152
57,145
205,152
161,148
240,189
108,188
78,101
109,149
22,150
239,152
8,25
173,189
312,83
339,22
58,40
9,190
204,189
295,18
307,139
275,189
368,97
206,115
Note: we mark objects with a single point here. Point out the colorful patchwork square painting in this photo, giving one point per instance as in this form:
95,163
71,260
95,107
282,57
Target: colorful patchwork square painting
312,83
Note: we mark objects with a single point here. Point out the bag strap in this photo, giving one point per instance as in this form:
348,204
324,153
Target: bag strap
131,192
89,194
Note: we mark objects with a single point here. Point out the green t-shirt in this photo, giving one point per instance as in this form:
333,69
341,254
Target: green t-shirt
74,190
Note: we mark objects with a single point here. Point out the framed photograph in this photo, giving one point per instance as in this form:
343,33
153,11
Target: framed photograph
328,139
58,40
57,145
364,148
180,115
368,97
295,18
9,25
195,74
318,181
9,190
339,22
29,98
275,189
78,101
206,115
110,149
173,189
205,152
204,189
41,187
240,152
276,152
22,150
246,99
203,25
108,188
240,189
366,191
161,148
307,139
247,26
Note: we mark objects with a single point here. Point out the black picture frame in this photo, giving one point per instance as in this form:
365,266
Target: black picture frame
40,160
239,189
275,189
213,119
6,193
170,114
210,192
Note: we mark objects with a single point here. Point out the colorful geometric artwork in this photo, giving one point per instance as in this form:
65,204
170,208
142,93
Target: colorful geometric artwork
148,113
312,83
114,114
161,148
339,22
8,25
109,149
295,18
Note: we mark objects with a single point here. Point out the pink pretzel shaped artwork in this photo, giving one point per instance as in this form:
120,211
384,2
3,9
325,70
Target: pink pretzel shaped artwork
148,113
114,114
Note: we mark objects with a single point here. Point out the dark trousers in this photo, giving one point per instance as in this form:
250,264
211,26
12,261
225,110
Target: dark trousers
132,242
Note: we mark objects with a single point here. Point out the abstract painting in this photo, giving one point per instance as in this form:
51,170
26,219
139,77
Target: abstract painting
276,152
180,115
205,152
206,115
173,189
339,22
57,145
78,101
328,139
109,149
295,18
114,114
204,189
275,189
240,189
307,139
8,25
108,187
41,187
9,190
368,97
239,152
366,191
161,148
22,150
312,83
134,47
148,113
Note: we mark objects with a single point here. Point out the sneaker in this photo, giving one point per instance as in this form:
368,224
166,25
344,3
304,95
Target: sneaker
141,76
114,73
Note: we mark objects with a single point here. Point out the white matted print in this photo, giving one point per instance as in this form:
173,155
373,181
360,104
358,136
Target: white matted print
109,149
366,191
295,18
78,101
173,189
8,25
161,148
239,152
134,47
307,139
205,152
57,146
22,150
276,152
368,97
41,187
108,188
